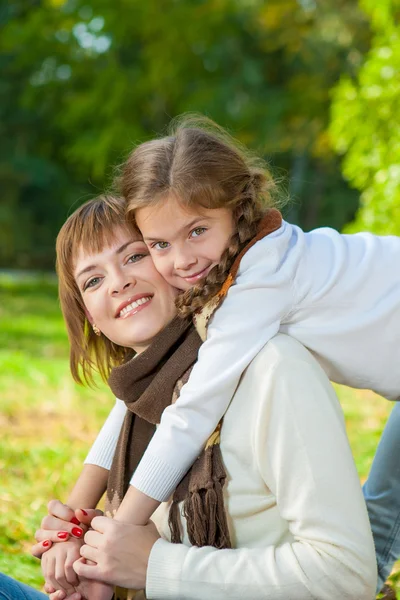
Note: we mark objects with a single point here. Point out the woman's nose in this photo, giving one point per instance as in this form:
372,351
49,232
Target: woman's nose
122,283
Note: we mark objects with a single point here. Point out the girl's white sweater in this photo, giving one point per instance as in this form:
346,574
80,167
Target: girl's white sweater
339,295
297,515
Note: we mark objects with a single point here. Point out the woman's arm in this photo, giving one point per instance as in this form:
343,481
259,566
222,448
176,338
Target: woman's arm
103,448
303,454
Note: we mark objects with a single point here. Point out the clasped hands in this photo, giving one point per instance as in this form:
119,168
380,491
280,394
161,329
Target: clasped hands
111,553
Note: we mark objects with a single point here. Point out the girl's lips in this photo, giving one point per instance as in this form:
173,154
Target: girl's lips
197,276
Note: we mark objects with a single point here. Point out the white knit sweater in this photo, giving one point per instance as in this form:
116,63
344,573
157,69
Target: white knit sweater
339,295
296,512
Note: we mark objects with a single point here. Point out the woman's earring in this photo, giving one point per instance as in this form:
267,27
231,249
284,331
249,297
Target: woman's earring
96,329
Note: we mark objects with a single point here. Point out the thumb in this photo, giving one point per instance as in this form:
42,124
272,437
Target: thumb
86,516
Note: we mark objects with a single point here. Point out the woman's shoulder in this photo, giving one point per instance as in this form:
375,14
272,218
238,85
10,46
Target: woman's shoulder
281,349
285,373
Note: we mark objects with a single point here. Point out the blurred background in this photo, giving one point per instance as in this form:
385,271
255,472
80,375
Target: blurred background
312,85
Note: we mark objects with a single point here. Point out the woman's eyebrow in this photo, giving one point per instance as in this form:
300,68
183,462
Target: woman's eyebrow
118,251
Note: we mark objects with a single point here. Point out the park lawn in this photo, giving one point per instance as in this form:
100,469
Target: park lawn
48,422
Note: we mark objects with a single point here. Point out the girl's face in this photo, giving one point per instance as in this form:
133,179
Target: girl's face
185,244
123,293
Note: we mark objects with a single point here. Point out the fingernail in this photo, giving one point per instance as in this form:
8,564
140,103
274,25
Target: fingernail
75,521
84,512
46,543
77,531
62,535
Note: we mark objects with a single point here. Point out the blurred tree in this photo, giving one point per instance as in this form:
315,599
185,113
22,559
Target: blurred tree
365,125
85,81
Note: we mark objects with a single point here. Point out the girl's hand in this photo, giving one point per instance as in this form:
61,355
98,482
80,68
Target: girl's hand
121,552
85,590
57,565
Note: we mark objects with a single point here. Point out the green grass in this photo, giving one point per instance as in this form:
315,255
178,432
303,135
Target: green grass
48,422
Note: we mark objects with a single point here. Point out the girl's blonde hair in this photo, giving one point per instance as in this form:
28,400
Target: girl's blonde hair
201,165
91,227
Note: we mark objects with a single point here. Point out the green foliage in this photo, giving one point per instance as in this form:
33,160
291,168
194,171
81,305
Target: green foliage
365,126
47,421
81,83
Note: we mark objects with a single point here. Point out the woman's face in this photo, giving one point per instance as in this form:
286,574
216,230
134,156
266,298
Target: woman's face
123,293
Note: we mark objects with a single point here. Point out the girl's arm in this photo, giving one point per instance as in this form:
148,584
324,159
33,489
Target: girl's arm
303,455
249,316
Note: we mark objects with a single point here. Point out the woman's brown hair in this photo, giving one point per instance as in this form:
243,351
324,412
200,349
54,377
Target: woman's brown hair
91,227
201,165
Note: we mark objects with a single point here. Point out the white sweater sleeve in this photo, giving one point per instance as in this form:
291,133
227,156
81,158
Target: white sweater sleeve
250,315
101,453
302,451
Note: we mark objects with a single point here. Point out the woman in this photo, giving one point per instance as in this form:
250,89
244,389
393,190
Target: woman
294,507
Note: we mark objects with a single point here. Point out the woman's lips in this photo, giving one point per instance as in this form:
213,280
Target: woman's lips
135,307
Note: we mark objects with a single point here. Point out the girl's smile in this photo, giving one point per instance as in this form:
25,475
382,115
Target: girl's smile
185,244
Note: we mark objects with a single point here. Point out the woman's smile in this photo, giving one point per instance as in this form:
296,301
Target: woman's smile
133,305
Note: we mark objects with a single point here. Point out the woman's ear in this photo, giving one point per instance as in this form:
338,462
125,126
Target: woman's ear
88,316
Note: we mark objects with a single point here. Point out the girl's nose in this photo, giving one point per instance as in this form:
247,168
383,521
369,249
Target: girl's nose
183,260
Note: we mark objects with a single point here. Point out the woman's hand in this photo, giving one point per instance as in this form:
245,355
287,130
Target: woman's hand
61,524
121,552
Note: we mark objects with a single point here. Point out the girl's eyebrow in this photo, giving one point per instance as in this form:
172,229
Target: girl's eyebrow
178,231
118,251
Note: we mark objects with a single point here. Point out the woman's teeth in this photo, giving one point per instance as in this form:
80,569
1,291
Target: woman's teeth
134,305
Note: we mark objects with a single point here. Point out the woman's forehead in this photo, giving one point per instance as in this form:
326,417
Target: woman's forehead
97,242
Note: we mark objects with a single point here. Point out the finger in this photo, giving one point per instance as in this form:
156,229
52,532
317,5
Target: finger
88,571
90,553
70,574
59,574
85,516
53,536
101,524
49,569
93,538
60,510
59,595
39,549
49,588
54,524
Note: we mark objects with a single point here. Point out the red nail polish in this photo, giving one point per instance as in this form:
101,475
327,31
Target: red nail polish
46,543
84,512
75,521
77,531
62,535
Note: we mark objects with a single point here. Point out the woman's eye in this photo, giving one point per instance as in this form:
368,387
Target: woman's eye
91,283
198,231
136,257
160,245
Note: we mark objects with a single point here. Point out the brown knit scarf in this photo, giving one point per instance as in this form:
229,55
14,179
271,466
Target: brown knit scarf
148,383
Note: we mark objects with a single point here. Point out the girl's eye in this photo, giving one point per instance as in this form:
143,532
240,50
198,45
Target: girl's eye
136,257
198,231
91,283
160,245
